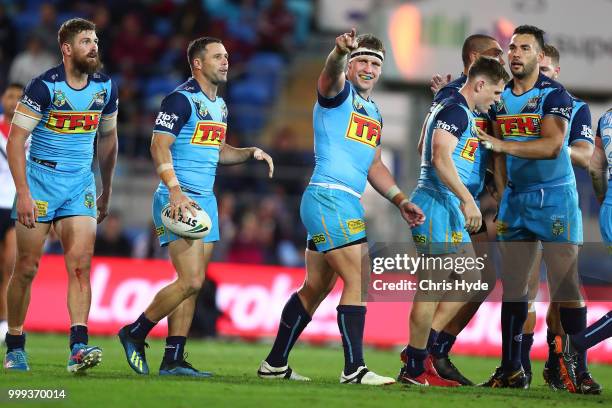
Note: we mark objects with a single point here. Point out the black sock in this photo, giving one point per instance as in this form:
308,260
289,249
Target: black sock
351,321
293,321
573,321
14,341
78,334
415,361
140,328
175,347
526,344
513,316
433,335
594,334
443,345
550,338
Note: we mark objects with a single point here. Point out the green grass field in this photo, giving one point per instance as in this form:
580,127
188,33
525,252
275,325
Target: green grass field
113,384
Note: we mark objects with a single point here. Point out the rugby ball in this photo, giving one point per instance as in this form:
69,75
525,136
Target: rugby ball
186,225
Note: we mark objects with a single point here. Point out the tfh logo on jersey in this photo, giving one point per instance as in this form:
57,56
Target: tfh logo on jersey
209,133
73,122
468,152
166,120
519,125
364,129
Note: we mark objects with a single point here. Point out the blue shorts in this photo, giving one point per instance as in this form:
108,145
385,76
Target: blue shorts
58,194
548,214
444,228
333,218
207,202
605,225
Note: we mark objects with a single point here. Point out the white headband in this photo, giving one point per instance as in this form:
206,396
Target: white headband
366,51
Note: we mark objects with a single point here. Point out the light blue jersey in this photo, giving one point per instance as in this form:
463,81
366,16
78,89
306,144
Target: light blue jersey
604,131
453,116
444,227
199,125
63,139
347,131
519,118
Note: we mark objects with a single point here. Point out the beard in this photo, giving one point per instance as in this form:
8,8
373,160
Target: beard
87,66
528,69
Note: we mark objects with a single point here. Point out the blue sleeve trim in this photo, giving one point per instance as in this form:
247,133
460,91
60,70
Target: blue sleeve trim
336,100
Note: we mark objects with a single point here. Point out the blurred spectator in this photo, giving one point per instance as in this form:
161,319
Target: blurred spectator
276,24
8,44
101,18
133,46
227,226
47,28
111,240
248,246
147,245
31,62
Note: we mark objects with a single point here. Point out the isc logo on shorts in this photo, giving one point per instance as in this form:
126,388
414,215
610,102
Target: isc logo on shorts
73,122
355,226
363,129
519,125
469,149
208,133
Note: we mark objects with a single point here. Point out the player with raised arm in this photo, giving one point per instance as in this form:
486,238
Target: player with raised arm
187,145
581,146
347,135
540,203
444,191
63,109
8,245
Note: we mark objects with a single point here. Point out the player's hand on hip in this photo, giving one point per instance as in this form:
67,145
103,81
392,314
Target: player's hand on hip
27,211
347,42
437,82
489,142
411,213
102,204
180,203
259,154
473,217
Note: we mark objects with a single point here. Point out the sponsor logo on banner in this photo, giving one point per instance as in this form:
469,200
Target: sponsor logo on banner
251,299
209,133
525,125
73,122
364,129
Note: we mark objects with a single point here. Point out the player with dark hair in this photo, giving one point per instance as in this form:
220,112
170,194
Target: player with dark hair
187,145
540,203
347,133
63,109
444,191
581,146
8,245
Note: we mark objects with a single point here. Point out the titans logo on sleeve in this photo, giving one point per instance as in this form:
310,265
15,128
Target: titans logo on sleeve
347,131
63,139
519,118
580,123
199,126
483,119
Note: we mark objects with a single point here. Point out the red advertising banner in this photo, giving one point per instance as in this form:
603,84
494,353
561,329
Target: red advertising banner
251,298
